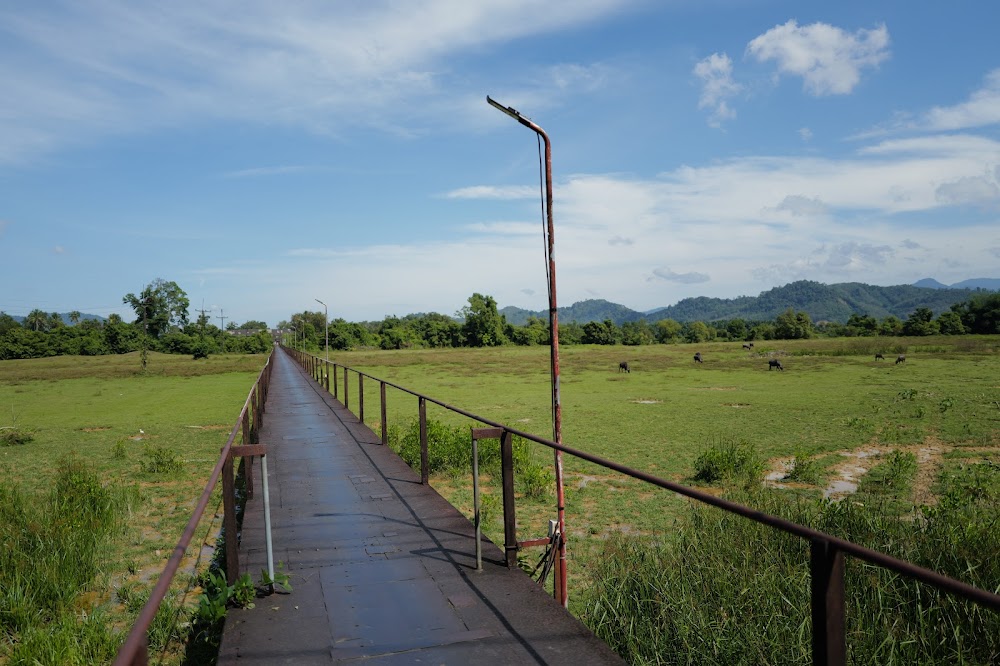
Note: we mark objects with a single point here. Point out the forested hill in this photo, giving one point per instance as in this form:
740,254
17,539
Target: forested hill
834,302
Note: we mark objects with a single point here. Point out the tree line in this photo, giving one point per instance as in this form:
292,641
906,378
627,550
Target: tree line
161,324
479,324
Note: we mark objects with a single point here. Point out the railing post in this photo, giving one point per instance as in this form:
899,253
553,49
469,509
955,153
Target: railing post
829,647
361,397
424,461
229,521
247,462
326,375
335,380
509,518
385,421
345,390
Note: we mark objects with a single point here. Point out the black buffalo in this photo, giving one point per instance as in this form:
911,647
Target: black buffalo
748,345
879,357
901,358
697,357
623,367
774,363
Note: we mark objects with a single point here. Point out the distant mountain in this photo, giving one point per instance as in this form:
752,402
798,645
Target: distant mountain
929,283
835,302
991,284
581,312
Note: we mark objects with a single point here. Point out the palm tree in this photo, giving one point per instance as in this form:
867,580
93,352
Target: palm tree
74,317
37,320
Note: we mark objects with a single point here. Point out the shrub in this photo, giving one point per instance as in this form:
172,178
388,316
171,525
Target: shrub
160,460
731,461
15,437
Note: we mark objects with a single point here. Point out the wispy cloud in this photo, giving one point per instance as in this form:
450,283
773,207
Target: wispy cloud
718,86
682,278
828,58
494,192
115,67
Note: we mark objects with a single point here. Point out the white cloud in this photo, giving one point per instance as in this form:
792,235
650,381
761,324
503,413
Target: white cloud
799,205
682,278
493,192
72,73
828,59
974,190
805,133
718,86
981,109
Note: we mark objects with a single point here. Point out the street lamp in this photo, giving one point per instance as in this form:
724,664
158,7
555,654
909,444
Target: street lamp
326,324
560,587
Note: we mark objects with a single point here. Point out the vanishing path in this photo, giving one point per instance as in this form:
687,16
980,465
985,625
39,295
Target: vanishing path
382,567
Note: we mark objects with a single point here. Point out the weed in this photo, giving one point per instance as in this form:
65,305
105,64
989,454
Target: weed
729,460
804,470
281,578
119,451
15,437
160,460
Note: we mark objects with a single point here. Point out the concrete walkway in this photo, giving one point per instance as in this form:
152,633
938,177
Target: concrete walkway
383,569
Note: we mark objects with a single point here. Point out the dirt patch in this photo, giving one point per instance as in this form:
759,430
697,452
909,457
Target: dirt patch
738,405
715,388
95,429
647,402
845,475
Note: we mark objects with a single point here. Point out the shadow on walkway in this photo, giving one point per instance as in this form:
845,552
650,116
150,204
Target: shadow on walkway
382,567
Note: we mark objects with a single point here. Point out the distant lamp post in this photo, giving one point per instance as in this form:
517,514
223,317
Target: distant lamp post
560,588
326,325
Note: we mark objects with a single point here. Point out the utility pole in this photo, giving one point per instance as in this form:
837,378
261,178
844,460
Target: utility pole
222,319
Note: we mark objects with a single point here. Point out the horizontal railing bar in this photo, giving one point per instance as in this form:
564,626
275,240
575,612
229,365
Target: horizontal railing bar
978,595
137,635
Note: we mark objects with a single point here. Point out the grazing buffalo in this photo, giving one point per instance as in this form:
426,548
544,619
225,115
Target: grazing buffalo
623,367
879,357
901,358
774,363
748,346
697,357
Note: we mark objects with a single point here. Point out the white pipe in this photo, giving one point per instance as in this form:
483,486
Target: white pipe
267,523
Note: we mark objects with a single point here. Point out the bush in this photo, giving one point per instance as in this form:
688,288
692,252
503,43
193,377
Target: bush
15,437
160,460
730,461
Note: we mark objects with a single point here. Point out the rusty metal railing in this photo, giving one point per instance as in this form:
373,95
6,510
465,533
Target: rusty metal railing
135,650
827,552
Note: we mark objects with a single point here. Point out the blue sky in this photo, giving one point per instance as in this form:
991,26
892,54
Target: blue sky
263,155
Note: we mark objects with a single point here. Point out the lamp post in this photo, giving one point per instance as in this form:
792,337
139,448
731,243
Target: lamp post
560,590
326,325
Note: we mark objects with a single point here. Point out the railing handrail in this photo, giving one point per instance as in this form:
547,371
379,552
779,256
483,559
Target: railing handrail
133,649
978,595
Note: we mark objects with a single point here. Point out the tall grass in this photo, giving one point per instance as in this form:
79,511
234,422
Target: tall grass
726,590
449,450
53,552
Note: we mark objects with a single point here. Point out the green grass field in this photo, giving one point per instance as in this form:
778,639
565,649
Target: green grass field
914,433
153,437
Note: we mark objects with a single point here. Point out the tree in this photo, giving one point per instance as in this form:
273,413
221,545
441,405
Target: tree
920,322
890,326
252,325
950,323
484,325
667,331
601,333
637,333
790,325
697,331
37,321
981,314
161,307
74,317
